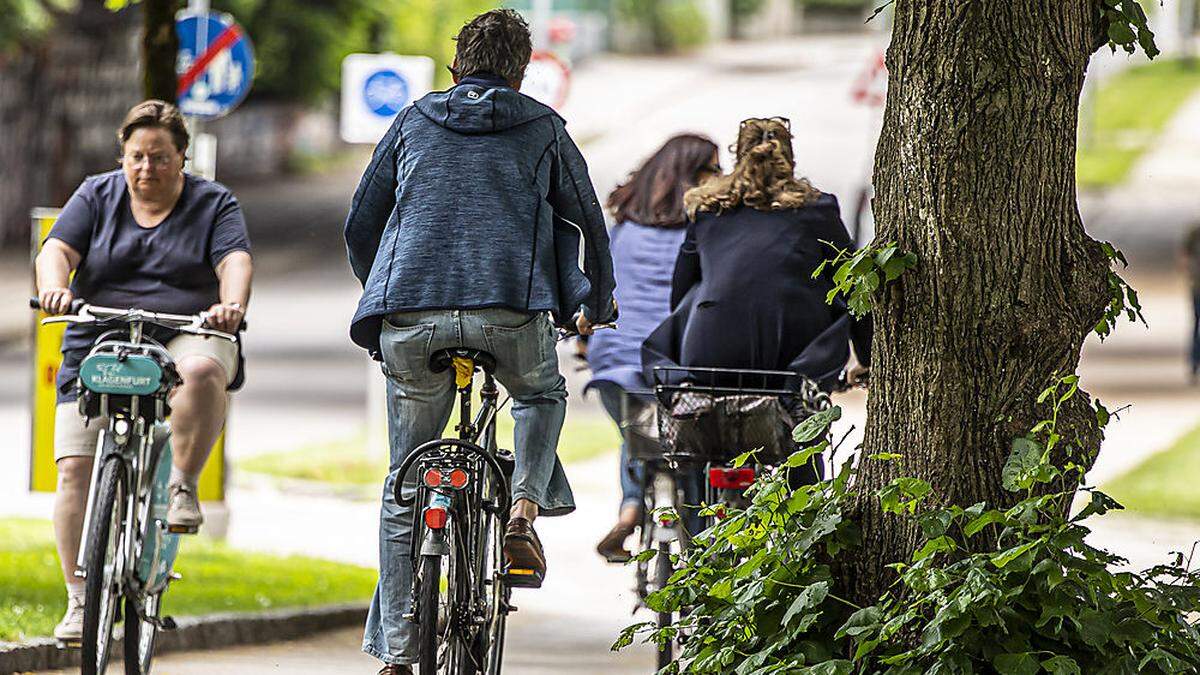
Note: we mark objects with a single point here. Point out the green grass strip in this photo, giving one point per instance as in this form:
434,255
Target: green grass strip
216,578
1165,484
1127,114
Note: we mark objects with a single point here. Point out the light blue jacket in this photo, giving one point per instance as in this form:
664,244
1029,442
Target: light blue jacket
477,197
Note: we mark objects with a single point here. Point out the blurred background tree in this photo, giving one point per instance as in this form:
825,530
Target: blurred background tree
24,21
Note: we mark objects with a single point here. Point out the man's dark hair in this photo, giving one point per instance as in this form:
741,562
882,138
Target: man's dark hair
495,42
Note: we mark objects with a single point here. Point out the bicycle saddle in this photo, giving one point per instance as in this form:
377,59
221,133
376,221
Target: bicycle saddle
441,360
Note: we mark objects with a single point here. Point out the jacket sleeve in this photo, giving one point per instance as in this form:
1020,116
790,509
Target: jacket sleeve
574,200
832,230
373,203
687,268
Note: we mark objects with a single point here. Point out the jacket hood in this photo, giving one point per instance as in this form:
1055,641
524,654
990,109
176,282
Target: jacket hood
479,106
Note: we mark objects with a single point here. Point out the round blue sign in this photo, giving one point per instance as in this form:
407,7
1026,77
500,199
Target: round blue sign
215,65
386,92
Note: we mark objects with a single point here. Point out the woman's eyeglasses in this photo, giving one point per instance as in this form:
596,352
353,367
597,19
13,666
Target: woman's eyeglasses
135,159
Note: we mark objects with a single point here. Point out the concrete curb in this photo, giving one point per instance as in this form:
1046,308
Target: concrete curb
215,631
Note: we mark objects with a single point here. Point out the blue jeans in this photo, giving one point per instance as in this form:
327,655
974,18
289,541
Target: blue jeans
632,489
419,406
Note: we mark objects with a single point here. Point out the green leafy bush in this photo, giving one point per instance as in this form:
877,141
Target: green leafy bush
671,25
988,590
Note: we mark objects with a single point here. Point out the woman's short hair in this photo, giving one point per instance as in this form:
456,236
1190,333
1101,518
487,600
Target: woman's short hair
155,114
496,42
653,195
764,177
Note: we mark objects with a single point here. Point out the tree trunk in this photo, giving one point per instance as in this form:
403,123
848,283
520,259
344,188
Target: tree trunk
160,45
975,173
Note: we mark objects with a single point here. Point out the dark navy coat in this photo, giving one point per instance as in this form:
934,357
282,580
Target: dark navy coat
743,295
476,198
643,263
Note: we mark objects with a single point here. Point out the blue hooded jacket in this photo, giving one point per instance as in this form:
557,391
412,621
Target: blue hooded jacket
477,197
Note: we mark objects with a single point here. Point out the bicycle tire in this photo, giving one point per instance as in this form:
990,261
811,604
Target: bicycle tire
427,618
104,540
662,573
140,636
500,593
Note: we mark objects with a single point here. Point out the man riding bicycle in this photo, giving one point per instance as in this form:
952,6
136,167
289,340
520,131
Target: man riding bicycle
464,233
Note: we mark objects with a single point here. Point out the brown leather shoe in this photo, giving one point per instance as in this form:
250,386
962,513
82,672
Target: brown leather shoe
395,669
524,555
612,546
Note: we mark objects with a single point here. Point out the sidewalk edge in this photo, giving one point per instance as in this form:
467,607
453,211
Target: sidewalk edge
214,631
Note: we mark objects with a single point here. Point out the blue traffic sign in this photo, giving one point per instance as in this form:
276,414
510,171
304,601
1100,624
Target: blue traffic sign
215,65
386,92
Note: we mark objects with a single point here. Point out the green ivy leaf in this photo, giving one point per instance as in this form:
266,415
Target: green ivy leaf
644,556
1004,558
816,425
812,596
1120,33
983,521
1017,664
1061,665
1022,464
860,622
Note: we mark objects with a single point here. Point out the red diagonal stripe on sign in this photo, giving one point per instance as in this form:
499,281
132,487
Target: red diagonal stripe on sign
230,35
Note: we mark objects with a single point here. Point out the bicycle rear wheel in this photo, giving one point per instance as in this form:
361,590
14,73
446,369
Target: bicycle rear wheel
429,599
140,636
104,568
498,595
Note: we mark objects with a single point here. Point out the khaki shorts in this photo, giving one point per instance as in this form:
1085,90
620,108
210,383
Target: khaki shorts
74,436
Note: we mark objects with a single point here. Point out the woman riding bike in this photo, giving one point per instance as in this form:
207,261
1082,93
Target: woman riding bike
651,220
152,237
743,294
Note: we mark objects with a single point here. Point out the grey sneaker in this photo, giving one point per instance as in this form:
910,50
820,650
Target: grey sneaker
70,629
183,511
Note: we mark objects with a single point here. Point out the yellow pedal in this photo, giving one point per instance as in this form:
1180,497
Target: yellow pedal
521,572
180,529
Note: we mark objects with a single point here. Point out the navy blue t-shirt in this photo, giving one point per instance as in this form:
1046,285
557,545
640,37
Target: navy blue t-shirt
166,268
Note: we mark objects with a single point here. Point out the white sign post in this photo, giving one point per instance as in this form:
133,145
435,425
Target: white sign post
375,87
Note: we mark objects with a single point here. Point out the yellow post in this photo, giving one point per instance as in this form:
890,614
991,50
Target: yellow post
47,357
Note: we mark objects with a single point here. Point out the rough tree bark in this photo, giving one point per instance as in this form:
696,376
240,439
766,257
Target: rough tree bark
975,173
160,45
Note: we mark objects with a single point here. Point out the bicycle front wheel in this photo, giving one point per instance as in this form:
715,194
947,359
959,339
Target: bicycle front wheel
140,636
104,568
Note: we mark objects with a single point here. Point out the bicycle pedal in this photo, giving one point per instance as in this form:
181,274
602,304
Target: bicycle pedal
70,644
168,623
518,577
183,529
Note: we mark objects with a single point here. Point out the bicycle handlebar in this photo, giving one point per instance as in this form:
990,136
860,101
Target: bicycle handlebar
82,312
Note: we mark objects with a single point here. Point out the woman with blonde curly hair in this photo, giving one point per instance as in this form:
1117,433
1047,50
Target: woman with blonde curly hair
743,293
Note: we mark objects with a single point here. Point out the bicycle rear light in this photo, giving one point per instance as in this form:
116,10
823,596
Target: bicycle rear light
436,517
433,478
458,478
731,479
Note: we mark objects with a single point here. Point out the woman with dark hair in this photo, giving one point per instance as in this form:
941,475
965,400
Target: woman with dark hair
743,294
649,211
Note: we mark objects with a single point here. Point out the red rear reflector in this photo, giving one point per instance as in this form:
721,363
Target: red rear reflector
435,517
731,479
458,478
433,478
